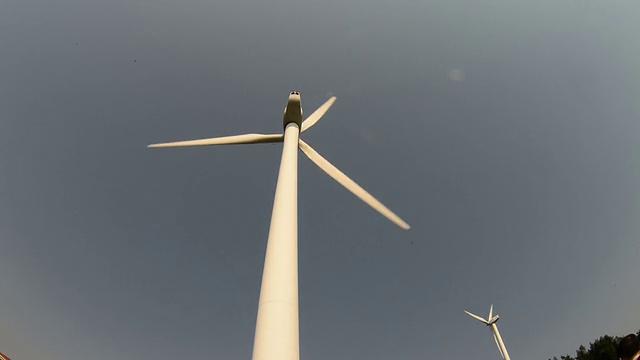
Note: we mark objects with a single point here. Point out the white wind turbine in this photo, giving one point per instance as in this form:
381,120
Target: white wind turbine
277,336
491,322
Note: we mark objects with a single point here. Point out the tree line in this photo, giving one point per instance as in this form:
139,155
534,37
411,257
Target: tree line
603,348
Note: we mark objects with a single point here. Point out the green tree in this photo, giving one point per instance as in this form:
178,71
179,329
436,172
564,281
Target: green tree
603,348
582,353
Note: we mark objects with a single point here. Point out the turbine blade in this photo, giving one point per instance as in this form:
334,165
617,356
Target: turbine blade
225,140
495,338
490,312
317,115
345,181
477,318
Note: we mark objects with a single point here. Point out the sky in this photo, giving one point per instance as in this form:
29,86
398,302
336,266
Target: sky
506,133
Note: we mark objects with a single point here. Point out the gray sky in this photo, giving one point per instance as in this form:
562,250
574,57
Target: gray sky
505,132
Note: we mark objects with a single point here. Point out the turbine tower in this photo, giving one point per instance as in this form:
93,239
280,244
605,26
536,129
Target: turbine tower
491,322
277,329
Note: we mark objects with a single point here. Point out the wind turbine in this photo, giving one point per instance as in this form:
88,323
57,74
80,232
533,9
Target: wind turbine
491,322
277,329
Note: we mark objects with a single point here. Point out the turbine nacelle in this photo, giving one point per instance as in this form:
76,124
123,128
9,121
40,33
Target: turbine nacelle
293,111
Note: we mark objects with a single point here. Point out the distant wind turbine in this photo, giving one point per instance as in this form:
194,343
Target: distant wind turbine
491,322
277,329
